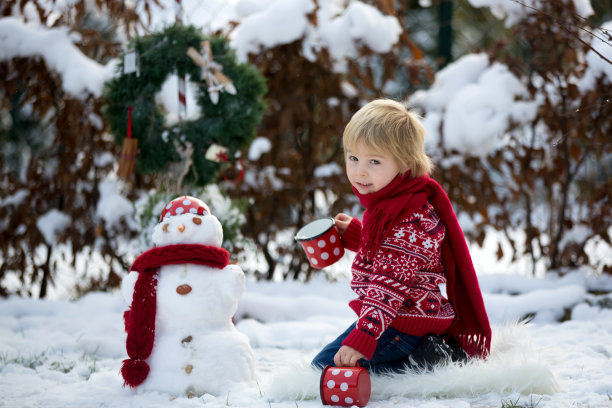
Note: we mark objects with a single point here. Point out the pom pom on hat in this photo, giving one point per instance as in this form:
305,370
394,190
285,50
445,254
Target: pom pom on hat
184,205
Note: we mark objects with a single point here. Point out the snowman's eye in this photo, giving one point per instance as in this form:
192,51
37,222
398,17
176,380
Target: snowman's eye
165,228
196,220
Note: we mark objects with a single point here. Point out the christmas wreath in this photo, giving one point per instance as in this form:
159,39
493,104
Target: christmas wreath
228,118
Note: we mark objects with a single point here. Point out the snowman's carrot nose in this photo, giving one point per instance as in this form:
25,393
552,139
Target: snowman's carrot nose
181,228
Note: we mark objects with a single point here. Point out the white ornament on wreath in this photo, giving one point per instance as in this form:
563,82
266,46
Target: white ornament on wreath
212,72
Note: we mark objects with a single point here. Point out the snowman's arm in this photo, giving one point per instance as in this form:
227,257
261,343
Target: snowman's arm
127,286
239,276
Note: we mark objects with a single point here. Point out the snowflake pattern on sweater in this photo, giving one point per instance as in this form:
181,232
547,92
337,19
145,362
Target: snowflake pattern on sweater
399,285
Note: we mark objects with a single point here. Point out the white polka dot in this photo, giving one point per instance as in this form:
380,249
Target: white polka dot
193,210
348,400
331,384
335,398
336,251
314,261
186,202
348,374
335,371
324,256
180,210
321,243
310,250
344,386
332,239
169,206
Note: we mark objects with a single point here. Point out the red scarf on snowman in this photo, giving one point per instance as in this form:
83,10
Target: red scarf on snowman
140,318
402,197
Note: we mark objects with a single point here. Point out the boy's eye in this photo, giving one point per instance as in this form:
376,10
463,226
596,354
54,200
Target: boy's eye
374,161
352,158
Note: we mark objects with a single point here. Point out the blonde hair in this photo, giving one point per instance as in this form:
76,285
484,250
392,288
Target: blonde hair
386,126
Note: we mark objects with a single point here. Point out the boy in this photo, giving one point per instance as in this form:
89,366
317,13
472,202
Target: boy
409,248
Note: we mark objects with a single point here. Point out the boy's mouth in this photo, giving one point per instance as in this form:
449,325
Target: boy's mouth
363,185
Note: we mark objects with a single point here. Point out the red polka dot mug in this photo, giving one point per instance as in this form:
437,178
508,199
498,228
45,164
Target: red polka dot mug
345,386
321,241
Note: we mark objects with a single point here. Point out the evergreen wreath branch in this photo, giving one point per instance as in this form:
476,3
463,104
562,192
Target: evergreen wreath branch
231,122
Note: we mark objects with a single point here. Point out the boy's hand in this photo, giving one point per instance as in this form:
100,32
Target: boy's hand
342,222
347,357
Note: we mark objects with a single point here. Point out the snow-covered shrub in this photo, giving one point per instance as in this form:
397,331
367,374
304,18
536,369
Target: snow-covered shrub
521,136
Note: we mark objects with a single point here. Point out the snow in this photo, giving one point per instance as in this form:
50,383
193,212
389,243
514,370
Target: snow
281,23
68,354
52,224
259,147
597,66
80,75
477,102
513,11
339,30
112,206
14,199
328,170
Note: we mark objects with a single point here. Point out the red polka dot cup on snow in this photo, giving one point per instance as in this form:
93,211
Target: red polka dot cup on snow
345,386
321,241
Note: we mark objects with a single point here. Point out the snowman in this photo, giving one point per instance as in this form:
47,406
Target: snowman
183,294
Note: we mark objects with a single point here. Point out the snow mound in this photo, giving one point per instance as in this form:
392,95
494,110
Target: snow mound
514,366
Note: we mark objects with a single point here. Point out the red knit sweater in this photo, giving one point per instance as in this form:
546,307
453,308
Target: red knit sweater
399,286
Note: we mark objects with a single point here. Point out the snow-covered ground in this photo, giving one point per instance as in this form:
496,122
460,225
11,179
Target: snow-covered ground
68,354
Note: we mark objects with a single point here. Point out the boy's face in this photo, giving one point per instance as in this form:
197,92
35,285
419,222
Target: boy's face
369,171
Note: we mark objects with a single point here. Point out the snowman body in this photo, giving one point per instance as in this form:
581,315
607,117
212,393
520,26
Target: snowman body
196,349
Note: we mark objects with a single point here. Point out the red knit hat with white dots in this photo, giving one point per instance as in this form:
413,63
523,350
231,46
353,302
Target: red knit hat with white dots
184,205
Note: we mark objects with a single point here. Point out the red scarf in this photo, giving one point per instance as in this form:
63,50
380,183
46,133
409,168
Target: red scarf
140,318
400,198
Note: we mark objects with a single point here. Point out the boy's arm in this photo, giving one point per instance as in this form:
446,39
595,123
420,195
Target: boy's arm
351,237
389,287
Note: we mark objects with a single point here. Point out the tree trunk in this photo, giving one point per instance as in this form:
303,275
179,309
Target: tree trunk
445,32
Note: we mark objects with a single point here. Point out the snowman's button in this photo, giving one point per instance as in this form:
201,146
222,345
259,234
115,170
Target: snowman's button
190,391
187,340
183,289
189,368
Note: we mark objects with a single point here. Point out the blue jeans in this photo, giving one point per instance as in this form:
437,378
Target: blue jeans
391,354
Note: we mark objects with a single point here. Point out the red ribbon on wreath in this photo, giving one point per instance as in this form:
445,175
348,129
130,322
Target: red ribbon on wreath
219,154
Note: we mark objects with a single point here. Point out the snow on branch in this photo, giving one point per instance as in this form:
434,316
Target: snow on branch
80,75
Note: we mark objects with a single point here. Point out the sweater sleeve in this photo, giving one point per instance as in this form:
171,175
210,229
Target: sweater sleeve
352,235
393,271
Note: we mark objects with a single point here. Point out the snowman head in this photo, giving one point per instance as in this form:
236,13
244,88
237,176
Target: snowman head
187,220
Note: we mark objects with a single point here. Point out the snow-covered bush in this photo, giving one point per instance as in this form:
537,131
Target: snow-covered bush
521,135
54,58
